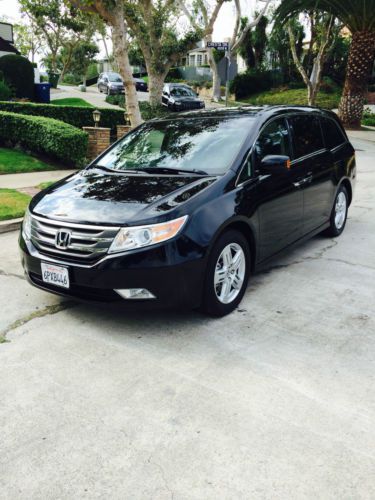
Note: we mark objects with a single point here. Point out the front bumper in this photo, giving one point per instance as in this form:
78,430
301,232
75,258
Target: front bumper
176,282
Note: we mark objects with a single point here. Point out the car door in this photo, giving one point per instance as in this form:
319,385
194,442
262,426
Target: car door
280,203
316,162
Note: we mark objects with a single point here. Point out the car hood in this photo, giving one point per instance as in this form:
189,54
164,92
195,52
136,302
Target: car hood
92,196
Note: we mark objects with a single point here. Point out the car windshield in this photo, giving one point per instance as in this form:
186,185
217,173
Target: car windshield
113,77
182,92
192,144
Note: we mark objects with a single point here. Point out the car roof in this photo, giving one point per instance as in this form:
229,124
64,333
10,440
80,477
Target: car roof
263,112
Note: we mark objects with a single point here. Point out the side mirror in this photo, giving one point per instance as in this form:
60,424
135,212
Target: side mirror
274,164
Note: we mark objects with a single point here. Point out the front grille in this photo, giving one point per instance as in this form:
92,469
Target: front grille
190,105
87,243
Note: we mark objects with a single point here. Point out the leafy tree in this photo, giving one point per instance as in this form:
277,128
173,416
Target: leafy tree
322,36
27,38
254,45
83,56
359,18
279,47
112,13
153,26
59,26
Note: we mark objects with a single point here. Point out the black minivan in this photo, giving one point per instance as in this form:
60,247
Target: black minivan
182,210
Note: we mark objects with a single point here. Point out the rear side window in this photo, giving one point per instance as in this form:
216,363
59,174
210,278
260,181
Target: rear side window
307,135
332,133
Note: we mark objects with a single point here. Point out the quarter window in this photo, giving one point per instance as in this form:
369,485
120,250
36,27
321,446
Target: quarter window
307,135
273,140
332,133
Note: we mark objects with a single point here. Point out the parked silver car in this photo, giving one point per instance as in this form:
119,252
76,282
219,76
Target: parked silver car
112,83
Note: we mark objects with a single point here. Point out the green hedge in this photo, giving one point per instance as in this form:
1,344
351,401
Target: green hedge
148,112
78,116
19,75
44,135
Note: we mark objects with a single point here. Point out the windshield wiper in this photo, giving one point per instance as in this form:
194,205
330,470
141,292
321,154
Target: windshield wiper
168,170
115,170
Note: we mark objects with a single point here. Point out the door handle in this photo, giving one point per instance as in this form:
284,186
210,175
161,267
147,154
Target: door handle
302,182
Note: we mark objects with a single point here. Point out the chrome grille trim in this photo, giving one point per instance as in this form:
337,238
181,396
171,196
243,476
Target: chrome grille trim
88,242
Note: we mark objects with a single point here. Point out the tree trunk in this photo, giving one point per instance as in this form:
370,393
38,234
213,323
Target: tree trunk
360,63
216,81
120,50
155,86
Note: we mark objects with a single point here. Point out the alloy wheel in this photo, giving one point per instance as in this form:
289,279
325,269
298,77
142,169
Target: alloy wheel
340,210
230,273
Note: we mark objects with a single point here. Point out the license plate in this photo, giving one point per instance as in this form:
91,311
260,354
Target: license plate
55,275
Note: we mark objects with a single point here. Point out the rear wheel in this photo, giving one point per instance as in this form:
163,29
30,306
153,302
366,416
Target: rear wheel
339,213
227,274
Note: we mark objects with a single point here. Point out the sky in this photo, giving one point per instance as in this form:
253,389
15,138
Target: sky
223,27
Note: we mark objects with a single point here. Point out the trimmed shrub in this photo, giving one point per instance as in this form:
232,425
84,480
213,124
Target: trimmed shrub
249,83
5,91
57,140
19,74
148,112
78,116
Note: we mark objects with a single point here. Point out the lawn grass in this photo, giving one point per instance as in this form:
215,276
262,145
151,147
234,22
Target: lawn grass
72,101
12,204
13,162
45,185
293,97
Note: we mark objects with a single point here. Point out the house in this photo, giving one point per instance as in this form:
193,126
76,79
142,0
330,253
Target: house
7,40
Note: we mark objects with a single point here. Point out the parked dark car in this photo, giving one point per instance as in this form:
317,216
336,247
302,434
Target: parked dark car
140,85
181,211
112,83
179,97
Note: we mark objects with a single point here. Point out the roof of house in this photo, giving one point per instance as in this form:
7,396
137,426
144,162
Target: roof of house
7,47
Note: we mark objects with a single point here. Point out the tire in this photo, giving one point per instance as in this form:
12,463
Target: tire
339,213
216,302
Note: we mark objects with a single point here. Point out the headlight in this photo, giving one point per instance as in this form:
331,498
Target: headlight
129,238
26,225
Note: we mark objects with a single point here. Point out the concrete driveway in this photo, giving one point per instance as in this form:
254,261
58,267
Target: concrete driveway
276,401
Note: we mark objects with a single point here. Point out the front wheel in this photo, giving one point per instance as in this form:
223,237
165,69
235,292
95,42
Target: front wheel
227,274
339,213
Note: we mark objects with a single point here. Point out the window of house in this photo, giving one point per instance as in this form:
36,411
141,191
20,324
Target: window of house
199,60
192,60
332,133
307,135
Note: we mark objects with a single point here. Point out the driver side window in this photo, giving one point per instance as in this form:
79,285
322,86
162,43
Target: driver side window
273,140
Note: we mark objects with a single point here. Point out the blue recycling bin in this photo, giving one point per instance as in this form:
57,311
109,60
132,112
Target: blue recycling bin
42,92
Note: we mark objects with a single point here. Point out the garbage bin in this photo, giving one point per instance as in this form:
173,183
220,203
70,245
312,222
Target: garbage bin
42,92
53,79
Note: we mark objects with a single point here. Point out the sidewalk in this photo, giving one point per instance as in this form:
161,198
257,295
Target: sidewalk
17,181
363,135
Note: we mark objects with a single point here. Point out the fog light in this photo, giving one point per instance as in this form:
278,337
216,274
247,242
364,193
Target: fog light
135,293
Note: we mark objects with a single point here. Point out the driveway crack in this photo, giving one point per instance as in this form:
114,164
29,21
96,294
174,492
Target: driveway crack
11,275
40,313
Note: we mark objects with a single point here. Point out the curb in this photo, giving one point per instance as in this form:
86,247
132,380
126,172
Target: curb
10,225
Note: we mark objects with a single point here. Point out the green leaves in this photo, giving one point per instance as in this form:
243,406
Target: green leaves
356,15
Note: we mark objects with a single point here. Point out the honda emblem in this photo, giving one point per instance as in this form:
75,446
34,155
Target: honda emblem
62,239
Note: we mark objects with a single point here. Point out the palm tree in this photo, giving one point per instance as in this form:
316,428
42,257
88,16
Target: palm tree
359,17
